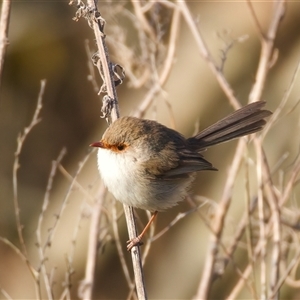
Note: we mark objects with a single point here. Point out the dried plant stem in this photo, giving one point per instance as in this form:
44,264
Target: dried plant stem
167,67
168,63
147,245
288,270
264,65
20,142
262,229
19,253
273,225
106,71
4,22
86,288
267,51
218,225
120,248
207,56
287,93
275,219
106,65
179,217
247,271
54,228
41,247
76,183
142,19
135,255
291,182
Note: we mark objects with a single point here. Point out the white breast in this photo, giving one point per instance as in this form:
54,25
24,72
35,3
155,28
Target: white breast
119,175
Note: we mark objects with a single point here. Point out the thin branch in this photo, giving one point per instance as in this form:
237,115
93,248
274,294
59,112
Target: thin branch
179,217
296,258
249,268
20,143
148,243
267,49
269,227
65,173
70,257
208,273
41,249
92,73
20,254
142,19
256,22
85,289
106,65
4,24
207,56
54,228
119,248
111,91
112,111
135,255
218,224
290,184
164,74
262,229
275,216
275,116
168,63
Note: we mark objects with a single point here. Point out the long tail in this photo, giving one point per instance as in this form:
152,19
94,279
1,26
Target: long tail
243,121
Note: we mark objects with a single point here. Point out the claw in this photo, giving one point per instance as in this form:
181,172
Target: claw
134,242
137,240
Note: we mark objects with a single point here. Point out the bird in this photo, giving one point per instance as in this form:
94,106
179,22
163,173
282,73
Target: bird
149,166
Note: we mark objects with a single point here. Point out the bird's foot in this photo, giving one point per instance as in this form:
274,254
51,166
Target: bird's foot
134,242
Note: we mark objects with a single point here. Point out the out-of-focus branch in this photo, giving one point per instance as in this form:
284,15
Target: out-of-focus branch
4,22
275,117
270,227
275,219
267,53
207,56
142,19
262,225
219,219
86,287
20,143
41,248
218,225
167,67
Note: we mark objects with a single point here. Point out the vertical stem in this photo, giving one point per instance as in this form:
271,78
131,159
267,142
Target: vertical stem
106,67
4,22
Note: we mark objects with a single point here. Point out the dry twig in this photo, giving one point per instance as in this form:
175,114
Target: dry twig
42,247
20,143
266,57
4,22
110,110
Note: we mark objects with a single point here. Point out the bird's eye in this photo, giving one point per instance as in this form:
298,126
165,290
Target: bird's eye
121,147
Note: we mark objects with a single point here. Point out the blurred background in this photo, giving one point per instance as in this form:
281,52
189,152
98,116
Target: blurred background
45,43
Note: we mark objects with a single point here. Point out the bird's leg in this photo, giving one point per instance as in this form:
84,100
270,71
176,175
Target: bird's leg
137,240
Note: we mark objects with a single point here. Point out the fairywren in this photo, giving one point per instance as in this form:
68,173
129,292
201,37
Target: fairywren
147,165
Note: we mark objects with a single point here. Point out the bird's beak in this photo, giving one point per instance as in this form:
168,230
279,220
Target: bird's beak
97,144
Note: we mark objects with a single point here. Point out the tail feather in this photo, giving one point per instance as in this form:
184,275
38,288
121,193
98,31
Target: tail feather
246,120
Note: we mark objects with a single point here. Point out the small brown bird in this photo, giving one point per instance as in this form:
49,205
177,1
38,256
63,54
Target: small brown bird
147,165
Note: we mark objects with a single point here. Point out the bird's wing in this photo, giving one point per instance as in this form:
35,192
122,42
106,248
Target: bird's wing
180,164
189,162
